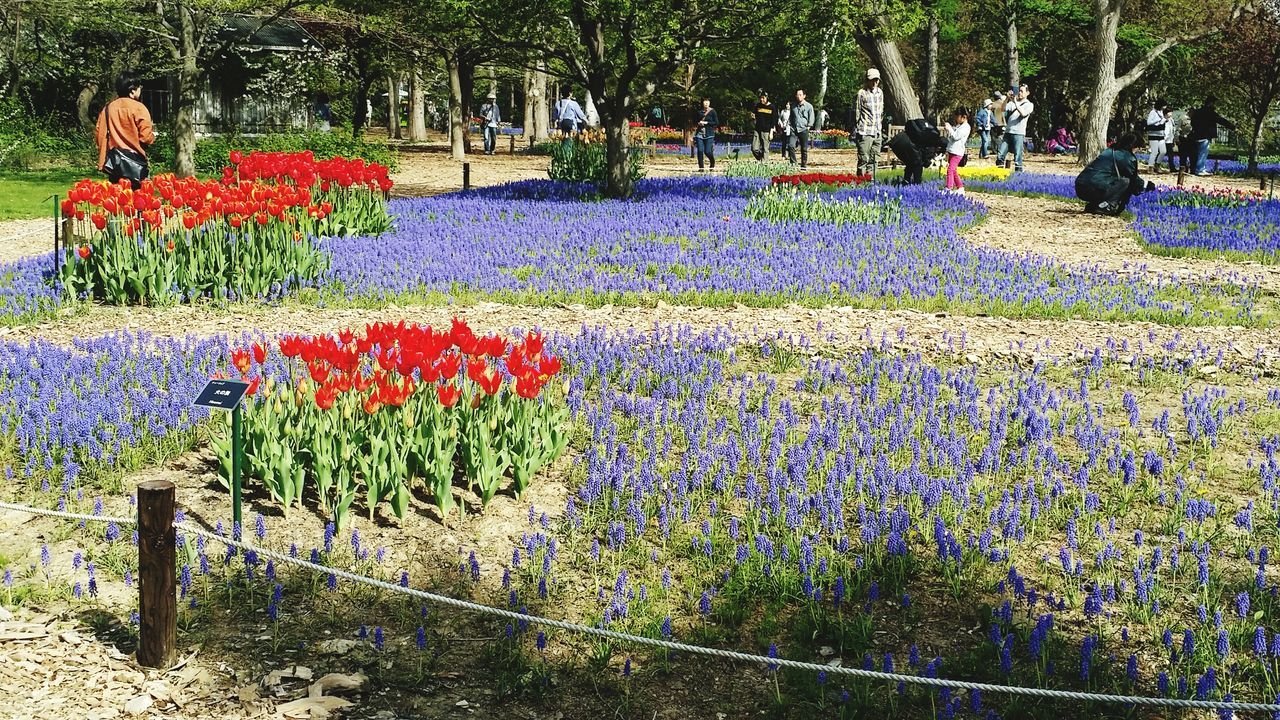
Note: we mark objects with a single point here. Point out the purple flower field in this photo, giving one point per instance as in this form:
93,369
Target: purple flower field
689,241
1105,524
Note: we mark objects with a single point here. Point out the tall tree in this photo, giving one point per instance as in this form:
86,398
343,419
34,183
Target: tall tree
1250,82
1191,22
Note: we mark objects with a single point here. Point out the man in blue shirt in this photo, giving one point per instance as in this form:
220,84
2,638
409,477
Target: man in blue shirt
568,116
982,123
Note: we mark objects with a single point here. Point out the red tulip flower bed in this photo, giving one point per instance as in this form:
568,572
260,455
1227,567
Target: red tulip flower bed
822,181
247,235
372,415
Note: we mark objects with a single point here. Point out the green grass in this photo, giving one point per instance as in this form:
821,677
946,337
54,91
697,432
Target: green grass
25,194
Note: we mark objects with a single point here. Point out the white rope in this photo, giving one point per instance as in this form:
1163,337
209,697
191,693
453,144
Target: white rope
69,515
887,677
731,654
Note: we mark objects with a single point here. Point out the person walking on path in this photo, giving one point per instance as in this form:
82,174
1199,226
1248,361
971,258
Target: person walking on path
1180,130
704,137
1159,133
1016,112
123,133
982,123
1204,128
766,121
800,119
997,122
492,116
1108,182
957,140
870,120
568,116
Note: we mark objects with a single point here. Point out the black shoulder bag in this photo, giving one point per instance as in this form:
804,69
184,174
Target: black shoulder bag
123,163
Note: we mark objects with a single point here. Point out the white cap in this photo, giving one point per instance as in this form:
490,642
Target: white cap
873,74
986,103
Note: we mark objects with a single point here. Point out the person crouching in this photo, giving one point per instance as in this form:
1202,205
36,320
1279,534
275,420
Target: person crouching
1108,182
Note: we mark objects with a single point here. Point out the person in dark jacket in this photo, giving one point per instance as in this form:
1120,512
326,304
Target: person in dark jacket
1108,182
766,121
704,136
1204,128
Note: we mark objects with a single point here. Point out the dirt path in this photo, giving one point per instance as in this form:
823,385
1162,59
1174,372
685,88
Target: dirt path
834,328
24,238
1060,230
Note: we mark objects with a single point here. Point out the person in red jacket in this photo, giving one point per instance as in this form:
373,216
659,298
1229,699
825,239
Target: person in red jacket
124,132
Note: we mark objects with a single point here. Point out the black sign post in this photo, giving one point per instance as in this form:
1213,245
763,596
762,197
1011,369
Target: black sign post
227,395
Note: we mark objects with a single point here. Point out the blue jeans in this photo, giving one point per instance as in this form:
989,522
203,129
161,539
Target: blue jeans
490,139
1008,142
706,146
1202,157
984,143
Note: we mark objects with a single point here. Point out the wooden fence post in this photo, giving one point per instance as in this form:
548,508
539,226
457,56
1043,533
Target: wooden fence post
157,586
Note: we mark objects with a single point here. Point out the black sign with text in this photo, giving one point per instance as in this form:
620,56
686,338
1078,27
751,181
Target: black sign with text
222,394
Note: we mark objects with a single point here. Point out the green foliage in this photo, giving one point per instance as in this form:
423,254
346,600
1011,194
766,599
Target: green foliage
786,203
588,162
27,141
211,152
26,194
756,169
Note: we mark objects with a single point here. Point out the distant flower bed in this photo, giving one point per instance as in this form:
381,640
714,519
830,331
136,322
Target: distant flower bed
827,180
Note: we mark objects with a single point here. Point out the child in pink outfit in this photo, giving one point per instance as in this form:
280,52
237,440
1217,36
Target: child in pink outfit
957,138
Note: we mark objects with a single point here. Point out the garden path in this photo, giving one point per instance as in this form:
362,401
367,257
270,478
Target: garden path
830,328
24,238
1047,227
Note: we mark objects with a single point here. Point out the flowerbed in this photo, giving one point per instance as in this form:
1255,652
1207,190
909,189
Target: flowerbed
1099,524
251,234
822,180
691,241
374,413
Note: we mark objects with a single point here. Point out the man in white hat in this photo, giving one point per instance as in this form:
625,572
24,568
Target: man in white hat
870,117
491,116
982,123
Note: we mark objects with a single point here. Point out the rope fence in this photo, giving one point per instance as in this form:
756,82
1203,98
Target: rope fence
577,628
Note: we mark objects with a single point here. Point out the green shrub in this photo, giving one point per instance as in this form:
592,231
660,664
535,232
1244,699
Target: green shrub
27,141
211,152
756,169
587,162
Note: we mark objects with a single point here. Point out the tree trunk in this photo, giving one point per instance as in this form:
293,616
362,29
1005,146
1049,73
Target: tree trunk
360,113
1093,137
617,139
931,66
1255,143
83,100
393,106
529,103
184,105
417,108
457,123
824,68
1011,42
883,51
467,87
541,105
589,109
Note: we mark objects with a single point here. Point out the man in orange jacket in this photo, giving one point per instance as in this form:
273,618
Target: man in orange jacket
124,133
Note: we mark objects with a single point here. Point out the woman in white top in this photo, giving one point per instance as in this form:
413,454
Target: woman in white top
1159,133
957,139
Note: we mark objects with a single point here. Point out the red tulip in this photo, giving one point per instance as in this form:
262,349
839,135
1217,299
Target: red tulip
83,252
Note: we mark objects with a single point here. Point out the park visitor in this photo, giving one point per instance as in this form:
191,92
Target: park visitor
1016,112
1061,143
1159,133
124,132
765,123
800,120
1107,183
704,137
982,123
957,139
323,113
568,115
489,112
870,118
1204,128
997,121
1180,131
